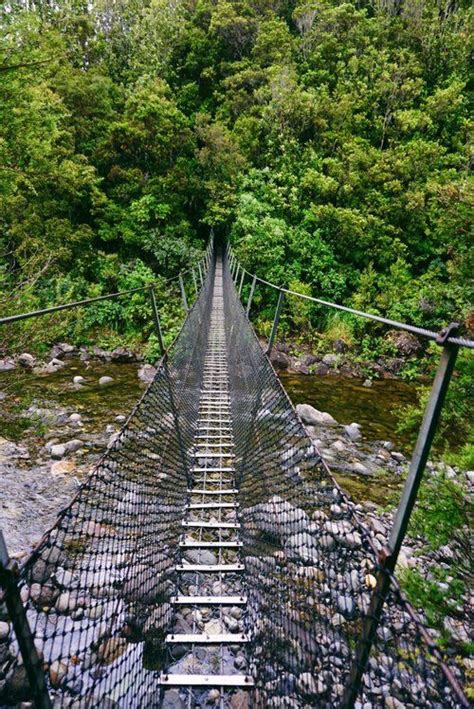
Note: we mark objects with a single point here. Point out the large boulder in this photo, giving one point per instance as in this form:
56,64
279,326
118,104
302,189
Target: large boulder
277,516
7,364
405,343
312,417
26,360
280,360
147,373
123,354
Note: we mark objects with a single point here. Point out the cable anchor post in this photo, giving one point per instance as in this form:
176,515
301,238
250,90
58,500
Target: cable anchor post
276,320
24,636
183,294
241,282
193,274
252,291
156,318
388,559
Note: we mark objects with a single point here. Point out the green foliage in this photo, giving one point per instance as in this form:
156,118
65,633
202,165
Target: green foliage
331,143
426,594
441,510
455,433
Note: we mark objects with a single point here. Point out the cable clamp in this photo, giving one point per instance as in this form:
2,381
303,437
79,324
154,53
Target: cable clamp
447,332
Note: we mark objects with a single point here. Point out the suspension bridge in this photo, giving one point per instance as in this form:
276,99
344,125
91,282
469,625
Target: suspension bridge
211,558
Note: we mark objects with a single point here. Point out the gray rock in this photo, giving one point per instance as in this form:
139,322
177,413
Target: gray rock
360,469
56,363
75,418
172,699
232,624
4,631
120,418
26,360
393,703
470,476
147,373
66,602
240,662
305,546
277,516
58,451
79,380
353,431
7,364
340,346
43,594
367,383
103,381
307,684
312,417
279,360
200,556
74,445
346,606
330,360
65,579
122,354
61,350
308,360
57,673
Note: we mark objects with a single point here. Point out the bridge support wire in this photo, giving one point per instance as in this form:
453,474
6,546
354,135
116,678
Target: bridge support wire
212,554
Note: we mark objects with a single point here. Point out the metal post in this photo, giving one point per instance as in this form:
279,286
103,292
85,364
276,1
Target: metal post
236,274
402,518
200,273
24,636
252,290
241,282
276,320
194,281
183,294
156,318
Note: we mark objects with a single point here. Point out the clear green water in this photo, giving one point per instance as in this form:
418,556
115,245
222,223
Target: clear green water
377,409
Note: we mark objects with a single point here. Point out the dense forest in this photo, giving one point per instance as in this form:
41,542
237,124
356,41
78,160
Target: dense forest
329,140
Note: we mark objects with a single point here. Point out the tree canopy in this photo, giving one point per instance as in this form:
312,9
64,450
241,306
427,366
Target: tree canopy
329,139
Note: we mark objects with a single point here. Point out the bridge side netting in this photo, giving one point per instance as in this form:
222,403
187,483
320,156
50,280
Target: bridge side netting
310,563
97,587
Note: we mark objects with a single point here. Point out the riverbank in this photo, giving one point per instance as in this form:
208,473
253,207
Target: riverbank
58,420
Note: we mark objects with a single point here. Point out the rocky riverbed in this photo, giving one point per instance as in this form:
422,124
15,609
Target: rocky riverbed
60,415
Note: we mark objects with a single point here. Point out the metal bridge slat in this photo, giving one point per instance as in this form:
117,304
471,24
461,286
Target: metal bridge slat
176,680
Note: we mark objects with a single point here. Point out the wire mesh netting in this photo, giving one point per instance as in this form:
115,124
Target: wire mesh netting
311,566
98,587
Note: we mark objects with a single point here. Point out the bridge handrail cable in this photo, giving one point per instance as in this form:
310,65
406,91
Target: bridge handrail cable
108,296
438,337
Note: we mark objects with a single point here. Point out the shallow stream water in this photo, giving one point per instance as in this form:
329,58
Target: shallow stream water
377,409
